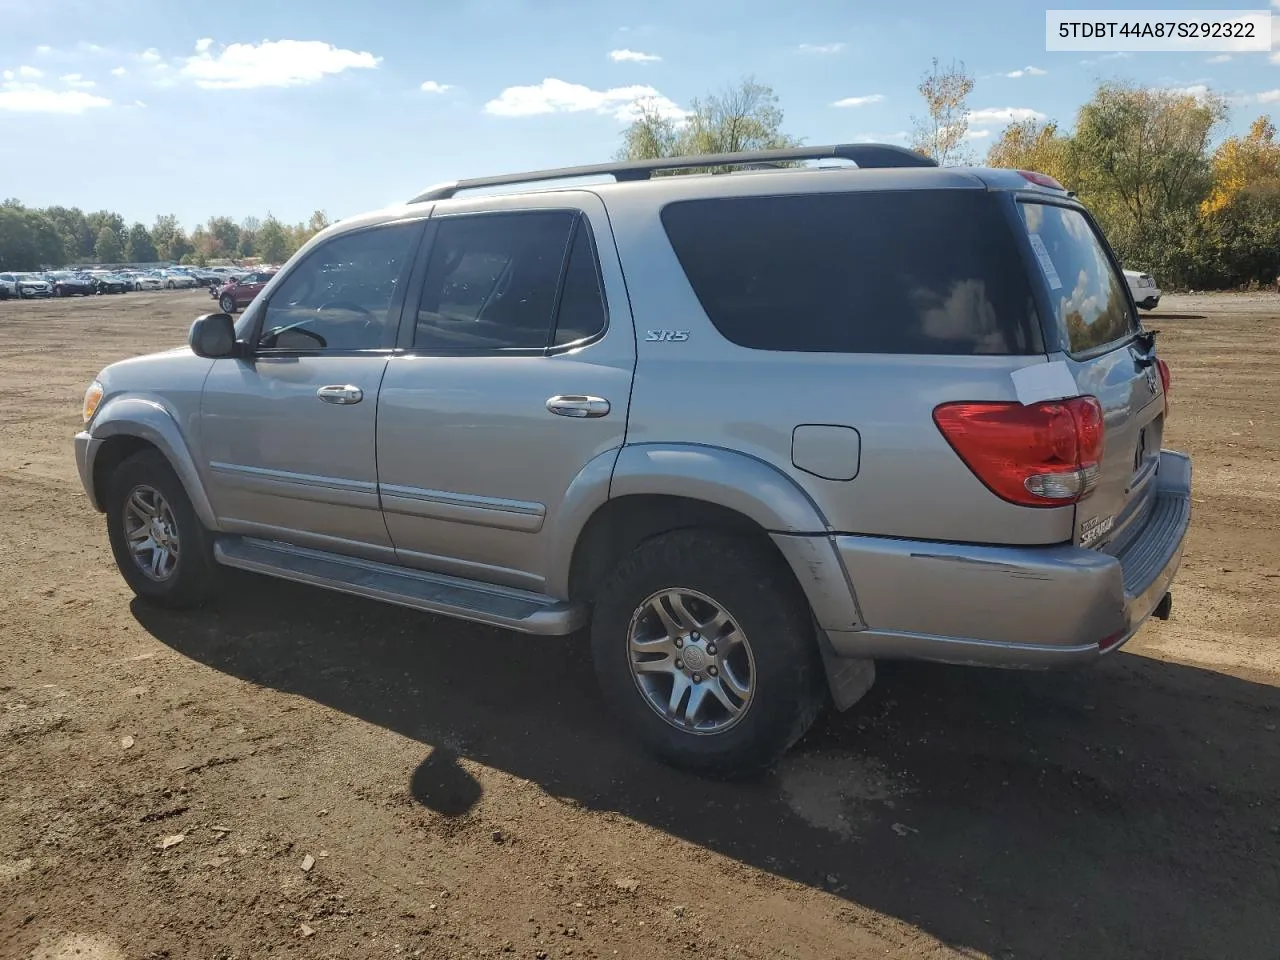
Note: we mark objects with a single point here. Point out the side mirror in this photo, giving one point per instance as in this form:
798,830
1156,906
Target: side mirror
213,336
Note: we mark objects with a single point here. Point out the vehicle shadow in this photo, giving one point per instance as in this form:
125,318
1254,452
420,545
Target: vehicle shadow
1150,318
1128,810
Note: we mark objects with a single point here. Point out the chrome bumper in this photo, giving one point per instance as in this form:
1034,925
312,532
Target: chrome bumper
1019,607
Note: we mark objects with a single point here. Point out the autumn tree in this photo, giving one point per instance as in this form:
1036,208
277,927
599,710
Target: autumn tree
1247,166
942,133
1033,145
744,116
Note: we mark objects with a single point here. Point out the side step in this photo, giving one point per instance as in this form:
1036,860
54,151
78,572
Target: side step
430,592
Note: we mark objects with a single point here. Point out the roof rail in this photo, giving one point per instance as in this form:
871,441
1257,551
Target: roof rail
865,155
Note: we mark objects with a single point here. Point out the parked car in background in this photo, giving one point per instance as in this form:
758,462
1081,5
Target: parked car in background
238,294
113,283
147,281
66,284
30,285
8,285
178,279
1143,287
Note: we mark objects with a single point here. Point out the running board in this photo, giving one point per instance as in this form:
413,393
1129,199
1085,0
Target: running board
430,592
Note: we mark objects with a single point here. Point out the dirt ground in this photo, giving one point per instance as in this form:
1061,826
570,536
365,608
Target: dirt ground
294,773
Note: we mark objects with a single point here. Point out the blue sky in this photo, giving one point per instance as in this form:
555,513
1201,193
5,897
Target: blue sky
286,106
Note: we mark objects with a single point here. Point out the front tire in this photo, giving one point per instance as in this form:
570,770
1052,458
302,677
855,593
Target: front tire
704,646
162,550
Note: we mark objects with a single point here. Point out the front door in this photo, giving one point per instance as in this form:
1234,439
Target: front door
513,377
288,432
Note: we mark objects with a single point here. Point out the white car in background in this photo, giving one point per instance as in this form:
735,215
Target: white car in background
1143,287
147,281
178,279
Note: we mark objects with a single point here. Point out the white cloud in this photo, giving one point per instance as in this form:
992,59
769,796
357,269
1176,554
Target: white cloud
203,44
90,47
859,101
1266,96
823,48
30,73
271,63
119,72
19,97
557,96
43,49
880,137
633,56
1026,72
1222,57
1191,90
1004,115
977,134
149,55
77,81
432,86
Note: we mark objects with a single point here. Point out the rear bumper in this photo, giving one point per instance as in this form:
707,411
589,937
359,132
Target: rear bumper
1150,302
1020,607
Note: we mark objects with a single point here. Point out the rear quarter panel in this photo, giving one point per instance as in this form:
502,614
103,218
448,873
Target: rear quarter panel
705,389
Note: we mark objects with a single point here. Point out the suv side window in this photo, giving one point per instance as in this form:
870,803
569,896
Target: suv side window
581,315
340,296
909,272
492,282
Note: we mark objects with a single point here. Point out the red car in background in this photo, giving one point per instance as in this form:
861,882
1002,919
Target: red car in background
237,294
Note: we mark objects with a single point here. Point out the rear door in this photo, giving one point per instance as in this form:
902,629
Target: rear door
1096,324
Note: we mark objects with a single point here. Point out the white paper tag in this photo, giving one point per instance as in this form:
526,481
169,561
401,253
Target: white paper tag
1044,381
1046,263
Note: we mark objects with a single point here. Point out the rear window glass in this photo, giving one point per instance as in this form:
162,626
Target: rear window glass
924,271
1088,295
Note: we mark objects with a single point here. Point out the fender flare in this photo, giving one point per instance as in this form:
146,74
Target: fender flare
149,420
730,479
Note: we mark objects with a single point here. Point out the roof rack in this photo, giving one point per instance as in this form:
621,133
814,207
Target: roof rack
865,155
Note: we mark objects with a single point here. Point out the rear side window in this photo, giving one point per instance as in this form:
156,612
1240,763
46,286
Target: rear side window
924,271
1088,295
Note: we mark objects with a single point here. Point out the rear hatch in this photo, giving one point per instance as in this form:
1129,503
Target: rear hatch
1109,356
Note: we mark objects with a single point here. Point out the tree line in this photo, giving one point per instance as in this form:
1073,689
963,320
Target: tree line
1141,158
49,237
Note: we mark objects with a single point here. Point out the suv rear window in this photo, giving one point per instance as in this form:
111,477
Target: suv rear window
922,271
1087,293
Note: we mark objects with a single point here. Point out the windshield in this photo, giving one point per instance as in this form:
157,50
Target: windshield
1089,297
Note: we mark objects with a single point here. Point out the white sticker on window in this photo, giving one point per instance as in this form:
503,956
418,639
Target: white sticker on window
1046,264
1044,381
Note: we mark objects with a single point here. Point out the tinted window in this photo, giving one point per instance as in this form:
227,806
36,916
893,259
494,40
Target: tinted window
1088,295
492,281
925,271
581,314
339,297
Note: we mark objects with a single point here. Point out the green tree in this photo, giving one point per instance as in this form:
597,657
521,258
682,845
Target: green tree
1140,156
107,249
226,237
78,238
95,222
249,228
28,239
941,133
744,116
138,247
273,242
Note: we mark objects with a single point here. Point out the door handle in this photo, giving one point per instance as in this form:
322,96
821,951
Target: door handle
578,406
343,393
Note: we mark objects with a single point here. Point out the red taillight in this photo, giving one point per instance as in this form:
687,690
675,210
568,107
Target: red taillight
1041,179
1166,378
1039,455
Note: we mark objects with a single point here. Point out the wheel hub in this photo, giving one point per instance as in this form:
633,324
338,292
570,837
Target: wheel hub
691,661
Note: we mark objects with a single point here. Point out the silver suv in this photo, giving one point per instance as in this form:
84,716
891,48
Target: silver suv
756,430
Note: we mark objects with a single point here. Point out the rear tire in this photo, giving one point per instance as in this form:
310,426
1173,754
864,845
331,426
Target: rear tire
227,303
150,515
761,659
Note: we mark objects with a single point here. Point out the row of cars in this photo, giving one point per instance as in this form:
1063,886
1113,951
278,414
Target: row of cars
84,283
